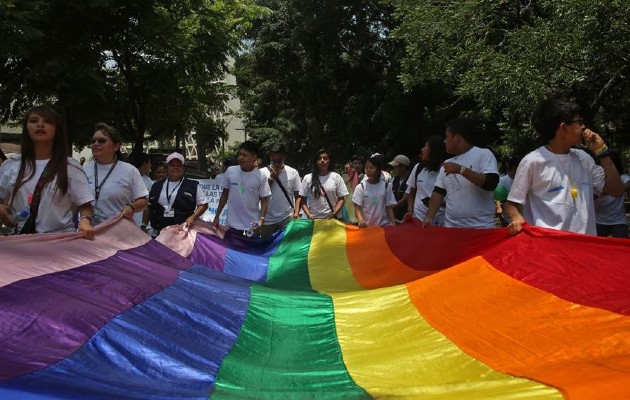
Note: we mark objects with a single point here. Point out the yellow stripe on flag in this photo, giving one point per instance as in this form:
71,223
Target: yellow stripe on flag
328,265
390,350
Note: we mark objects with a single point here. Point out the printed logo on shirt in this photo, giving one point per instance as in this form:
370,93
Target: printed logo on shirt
555,189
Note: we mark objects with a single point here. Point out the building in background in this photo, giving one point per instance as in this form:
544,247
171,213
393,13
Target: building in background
159,149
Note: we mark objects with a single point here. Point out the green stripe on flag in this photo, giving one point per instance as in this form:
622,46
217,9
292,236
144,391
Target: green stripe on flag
288,266
287,349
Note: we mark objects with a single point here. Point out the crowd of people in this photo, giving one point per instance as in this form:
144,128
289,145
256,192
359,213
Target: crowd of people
454,184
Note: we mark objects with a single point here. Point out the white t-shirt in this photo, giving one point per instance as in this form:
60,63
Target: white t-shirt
123,186
373,200
423,184
279,208
246,190
335,189
173,190
148,182
543,186
137,217
468,205
611,210
55,212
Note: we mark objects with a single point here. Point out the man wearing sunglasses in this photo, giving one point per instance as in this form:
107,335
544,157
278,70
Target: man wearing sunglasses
554,185
284,182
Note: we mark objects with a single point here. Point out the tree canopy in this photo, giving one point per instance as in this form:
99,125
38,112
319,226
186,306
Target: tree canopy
358,76
499,58
148,67
355,76
324,74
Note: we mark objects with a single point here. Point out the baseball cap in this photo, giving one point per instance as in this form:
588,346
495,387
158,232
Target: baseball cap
398,160
175,156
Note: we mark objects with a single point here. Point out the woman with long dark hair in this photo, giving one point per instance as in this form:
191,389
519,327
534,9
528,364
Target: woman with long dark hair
323,190
41,189
422,179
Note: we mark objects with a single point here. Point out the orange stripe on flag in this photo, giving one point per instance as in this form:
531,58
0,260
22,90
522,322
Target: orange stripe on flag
373,263
524,331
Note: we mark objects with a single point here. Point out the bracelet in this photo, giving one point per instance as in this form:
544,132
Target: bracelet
462,170
132,208
88,217
603,154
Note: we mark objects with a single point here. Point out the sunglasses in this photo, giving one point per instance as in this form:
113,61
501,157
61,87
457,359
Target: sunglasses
100,140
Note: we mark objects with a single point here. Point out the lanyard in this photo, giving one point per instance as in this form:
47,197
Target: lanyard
169,195
97,187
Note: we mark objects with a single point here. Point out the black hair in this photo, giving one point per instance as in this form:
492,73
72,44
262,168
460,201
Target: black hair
59,151
465,127
510,162
138,159
250,146
315,183
378,161
550,113
437,152
112,134
278,148
357,157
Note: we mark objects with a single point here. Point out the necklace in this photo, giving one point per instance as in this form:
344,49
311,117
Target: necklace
573,190
97,187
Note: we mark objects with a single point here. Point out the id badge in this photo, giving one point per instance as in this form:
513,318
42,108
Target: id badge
169,213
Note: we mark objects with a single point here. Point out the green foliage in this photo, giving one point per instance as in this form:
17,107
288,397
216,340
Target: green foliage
152,68
497,59
324,74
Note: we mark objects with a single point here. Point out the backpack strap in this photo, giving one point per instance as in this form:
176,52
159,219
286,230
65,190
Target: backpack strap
286,195
332,209
29,225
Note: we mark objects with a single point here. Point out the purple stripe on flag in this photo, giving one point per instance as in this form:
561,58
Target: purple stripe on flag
168,347
47,318
209,251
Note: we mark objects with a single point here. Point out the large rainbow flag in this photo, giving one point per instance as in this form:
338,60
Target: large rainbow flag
324,311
